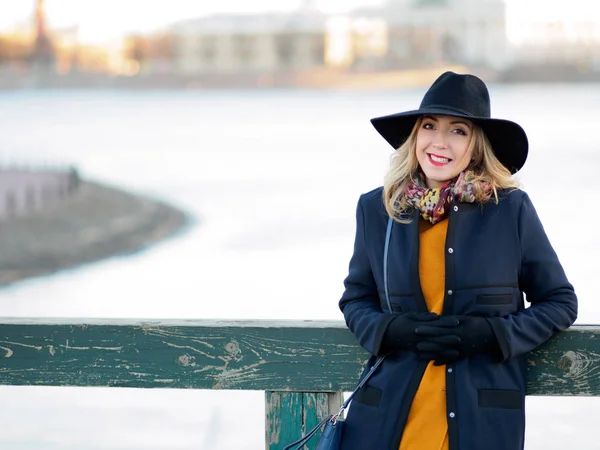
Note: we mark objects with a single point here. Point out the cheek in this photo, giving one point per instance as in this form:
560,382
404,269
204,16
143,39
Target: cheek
461,152
420,153
421,144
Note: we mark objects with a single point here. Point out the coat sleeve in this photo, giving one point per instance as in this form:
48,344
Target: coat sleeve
542,278
360,301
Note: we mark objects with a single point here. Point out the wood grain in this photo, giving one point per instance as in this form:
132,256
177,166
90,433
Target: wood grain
291,415
301,356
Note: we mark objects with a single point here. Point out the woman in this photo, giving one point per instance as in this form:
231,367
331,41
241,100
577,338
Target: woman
443,254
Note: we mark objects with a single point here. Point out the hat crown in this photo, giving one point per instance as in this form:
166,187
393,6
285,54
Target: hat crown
463,94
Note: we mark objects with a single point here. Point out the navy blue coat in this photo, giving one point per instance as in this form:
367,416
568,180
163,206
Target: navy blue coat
495,253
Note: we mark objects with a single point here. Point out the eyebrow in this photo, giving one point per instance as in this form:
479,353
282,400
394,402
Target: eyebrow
451,123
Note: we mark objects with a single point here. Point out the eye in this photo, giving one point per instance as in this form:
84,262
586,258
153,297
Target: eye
460,132
428,126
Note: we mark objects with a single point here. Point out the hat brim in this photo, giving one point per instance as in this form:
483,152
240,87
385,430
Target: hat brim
509,141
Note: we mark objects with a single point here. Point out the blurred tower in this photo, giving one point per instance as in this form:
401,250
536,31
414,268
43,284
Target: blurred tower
43,57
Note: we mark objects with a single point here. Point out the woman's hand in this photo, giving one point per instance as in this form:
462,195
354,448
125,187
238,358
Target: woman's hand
471,336
402,331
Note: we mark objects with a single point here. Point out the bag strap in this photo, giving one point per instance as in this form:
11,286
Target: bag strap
334,417
361,384
300,442
388,235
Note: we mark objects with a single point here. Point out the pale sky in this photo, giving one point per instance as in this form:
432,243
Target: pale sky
104,20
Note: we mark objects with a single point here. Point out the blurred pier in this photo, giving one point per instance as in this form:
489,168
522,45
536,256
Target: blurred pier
50,220
29,190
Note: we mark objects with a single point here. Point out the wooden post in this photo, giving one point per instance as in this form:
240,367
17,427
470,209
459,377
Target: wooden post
289,415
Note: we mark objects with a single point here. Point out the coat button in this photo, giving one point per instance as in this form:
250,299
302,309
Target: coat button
450,250
456,208
450,292
452,415
449,369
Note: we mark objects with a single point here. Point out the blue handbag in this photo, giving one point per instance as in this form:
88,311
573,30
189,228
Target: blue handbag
331,436
334,424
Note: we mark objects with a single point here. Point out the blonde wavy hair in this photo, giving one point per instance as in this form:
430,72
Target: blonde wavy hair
404,167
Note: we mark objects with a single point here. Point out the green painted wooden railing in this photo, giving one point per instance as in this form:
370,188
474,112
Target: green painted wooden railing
303,366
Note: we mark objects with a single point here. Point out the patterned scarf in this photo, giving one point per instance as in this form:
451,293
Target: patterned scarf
434,203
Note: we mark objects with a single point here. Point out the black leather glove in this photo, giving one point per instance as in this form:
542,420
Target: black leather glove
401,332
472,336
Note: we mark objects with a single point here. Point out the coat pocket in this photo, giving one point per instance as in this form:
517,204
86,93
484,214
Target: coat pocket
494,299
500,398
368,395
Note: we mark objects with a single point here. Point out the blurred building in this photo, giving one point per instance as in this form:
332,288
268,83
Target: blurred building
152,54
552,36
250,43
433,32
67,49
15,51
357,41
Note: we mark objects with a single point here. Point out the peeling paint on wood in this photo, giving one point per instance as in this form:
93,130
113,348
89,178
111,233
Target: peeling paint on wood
8,351
283,412
193,355
290,415
568,364
300,356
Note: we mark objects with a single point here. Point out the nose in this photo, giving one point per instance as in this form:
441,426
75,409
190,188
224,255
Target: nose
439,141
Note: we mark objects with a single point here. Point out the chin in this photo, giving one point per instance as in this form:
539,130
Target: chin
439,179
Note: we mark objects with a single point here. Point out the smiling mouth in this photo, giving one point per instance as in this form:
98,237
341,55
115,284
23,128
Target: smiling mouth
437,160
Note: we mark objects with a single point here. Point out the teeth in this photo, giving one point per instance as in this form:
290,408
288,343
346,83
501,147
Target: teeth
440,160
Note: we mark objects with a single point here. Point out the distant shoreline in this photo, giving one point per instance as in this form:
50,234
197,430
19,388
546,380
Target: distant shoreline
323,78
95,223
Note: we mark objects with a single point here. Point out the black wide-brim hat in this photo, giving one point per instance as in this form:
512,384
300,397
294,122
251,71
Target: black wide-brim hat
460,96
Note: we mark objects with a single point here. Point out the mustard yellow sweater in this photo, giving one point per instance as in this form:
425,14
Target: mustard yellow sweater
427,428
